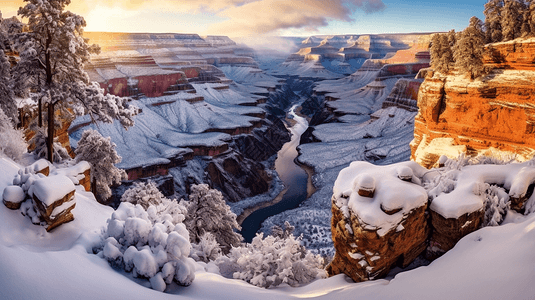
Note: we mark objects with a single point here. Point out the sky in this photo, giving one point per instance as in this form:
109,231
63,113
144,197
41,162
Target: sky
238,18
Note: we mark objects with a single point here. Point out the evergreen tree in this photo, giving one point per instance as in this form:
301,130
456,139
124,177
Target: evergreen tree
529,17
452,38
512,18
468,52
100,153
525,29
208,212
435,51
441,52
52,57
493,26
7,102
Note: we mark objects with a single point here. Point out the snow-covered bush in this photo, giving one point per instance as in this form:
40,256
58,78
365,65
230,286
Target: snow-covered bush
152,243
100,153
13,143
207,249
272,261
151,199
144,194
496,205
208,212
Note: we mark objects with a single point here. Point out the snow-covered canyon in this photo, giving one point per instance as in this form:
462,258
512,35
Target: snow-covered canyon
214,113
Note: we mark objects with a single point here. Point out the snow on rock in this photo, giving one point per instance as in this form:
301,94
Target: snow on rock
79,174
373,230
466,197
51,189
391,194
13,196
53,197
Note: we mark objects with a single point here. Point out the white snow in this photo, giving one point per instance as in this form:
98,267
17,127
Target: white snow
13,194
390,193
53,188
467,197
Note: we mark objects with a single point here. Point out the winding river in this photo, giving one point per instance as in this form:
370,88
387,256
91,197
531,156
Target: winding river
294,177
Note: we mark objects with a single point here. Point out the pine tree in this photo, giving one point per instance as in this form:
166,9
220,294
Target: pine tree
100,153
7,102
512,18
529,18
436,51
468,52
52,57
452,38
493,26
208,212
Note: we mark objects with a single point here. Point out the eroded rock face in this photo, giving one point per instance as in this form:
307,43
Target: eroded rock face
376,226
237,177
379,253
447,232
495,111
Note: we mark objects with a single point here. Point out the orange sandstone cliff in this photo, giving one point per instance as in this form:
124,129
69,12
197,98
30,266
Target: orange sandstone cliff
496,111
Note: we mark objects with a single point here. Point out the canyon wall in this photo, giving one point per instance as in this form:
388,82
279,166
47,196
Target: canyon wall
496,111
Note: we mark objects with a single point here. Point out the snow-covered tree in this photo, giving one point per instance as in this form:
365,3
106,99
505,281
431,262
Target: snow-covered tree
13,143
150,198
272,260
208,212
493,26
468,51
511,19
100,153
52,57
7,103
144,194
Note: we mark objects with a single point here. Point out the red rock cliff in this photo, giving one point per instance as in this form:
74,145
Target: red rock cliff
496,111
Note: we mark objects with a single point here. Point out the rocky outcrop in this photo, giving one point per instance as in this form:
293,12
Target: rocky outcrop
54,199
404,94
237,177
448,231
263,142
495,111
373,227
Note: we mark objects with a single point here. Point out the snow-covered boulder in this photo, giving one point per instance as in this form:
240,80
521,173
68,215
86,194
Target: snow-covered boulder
372,232
13,196
79,174
54,199
476,195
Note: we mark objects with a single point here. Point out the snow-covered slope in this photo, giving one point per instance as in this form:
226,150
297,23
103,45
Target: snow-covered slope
492,263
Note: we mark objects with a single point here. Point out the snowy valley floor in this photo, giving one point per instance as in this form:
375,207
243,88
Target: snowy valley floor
491,263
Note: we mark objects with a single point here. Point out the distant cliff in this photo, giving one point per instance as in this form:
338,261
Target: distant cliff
496,111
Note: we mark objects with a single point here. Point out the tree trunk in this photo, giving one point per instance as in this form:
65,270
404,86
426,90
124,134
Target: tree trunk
50,137
40,113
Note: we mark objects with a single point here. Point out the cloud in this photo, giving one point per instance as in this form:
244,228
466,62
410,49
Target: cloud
268,16
240,17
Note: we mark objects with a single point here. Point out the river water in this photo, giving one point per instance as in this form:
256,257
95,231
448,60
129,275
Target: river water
294,177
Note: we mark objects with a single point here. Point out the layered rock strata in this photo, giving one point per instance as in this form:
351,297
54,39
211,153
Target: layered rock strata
495,111
377,225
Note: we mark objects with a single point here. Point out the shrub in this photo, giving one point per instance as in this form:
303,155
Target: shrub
272,261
